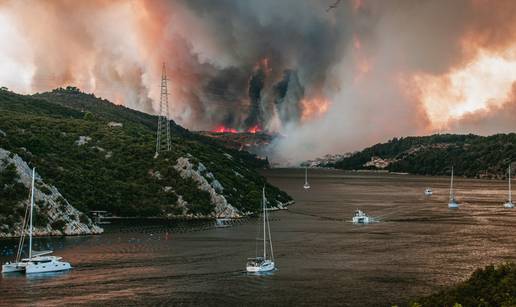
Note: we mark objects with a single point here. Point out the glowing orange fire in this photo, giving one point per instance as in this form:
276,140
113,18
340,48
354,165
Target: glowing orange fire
254,129
223,129
314,107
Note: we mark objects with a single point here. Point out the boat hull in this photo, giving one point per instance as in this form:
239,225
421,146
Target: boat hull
45,267
453,206
508,205
361,220
306,186
13,268
264,267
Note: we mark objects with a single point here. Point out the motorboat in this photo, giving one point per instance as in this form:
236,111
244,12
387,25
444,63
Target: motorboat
360,217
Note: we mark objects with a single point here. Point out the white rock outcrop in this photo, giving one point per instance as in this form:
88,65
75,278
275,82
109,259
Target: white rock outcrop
49,202
82,140
222,209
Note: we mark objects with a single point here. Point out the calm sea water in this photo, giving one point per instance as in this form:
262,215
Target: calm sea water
418,247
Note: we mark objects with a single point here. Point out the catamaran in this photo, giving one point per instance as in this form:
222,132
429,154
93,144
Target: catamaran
509,204
306,186
263,264
452,204
38,261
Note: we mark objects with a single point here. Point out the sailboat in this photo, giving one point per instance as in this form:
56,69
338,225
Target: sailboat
263,264
509,204
453,203
306,186
37,262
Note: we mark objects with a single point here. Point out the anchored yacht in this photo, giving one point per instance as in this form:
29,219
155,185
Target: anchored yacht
307,185
452,204
361,217
265,263
37,262
509,204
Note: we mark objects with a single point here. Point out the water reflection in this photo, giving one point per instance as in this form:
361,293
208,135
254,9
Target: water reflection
323,258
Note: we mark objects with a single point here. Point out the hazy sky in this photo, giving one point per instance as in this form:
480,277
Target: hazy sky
329,81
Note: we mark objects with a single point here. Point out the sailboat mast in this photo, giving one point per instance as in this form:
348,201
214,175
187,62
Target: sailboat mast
451,184
510,193
31,209
306,175
264,230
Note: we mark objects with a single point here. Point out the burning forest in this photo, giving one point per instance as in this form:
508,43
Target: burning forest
329,76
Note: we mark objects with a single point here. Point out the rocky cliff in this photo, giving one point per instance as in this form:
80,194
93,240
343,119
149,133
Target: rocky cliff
53,214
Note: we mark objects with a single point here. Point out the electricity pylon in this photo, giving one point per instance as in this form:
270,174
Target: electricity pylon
163,134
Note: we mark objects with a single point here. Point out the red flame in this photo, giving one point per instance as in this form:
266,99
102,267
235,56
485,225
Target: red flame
222,129
314,108
254,129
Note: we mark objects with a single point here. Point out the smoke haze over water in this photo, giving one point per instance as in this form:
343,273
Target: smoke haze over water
329,81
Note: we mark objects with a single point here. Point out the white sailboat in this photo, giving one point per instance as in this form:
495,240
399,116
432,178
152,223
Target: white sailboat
428,192
263,264
37,262
509,204
452,204
306,186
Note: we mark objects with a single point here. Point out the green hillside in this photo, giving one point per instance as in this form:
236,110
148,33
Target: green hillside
491,286
65,134
471,155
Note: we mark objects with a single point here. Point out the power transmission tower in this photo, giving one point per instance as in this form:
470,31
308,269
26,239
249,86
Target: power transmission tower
163,134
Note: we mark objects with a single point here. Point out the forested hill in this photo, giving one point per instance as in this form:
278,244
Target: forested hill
100,157
471,155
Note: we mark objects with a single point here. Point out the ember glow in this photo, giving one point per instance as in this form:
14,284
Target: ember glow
222,129
314,108
254,129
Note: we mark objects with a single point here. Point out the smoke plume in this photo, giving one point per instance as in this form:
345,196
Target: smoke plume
326,80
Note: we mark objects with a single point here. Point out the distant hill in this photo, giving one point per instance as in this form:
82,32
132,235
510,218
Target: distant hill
471,155
100,157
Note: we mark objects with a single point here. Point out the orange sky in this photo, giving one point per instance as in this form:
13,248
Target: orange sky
378,68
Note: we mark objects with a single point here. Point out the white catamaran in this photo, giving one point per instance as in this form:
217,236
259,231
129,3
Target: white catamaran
306,186
453,203
509,204
263,264
37,262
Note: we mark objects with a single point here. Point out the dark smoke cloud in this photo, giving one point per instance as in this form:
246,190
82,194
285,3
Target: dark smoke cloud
256,84
333,81
289,92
